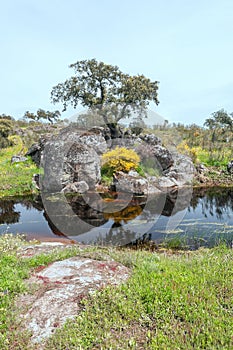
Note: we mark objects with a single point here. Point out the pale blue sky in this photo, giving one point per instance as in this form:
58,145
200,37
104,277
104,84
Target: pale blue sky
187,45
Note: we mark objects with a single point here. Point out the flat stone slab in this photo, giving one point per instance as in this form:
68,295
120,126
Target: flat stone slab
61,286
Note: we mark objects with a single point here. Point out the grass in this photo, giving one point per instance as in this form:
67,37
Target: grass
16,178
170,301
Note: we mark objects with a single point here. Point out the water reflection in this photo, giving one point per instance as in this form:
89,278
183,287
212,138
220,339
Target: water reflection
216,202
203,217
8,215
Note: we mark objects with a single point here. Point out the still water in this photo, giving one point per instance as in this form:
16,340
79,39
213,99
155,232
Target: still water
195,217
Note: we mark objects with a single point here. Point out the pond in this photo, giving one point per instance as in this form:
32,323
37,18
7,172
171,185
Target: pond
185,218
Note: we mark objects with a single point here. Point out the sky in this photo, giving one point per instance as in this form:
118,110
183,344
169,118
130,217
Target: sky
186,45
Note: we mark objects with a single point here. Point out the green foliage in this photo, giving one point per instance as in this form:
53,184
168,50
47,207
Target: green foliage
220,119
103,87
16,178
6,128
169,302
139,169
119,159
178,302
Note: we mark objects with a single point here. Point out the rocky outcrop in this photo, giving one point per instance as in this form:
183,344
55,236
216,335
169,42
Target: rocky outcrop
131,182
67,162
94,139
67,282
76,187
159,157
151,139
182,171
35,152
73,157
163,156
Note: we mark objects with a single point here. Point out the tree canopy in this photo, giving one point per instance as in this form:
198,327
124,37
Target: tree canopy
104,88
43,115
220,119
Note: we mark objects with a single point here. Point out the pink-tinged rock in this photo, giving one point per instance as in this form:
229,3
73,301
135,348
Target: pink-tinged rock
61,286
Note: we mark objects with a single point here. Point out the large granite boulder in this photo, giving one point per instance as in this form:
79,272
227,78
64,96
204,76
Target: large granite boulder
93,139
182,171
163,156
66,162
131,182
154,153
151,139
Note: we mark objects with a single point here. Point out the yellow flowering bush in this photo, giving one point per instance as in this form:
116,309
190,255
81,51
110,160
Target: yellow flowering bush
184,148
120,159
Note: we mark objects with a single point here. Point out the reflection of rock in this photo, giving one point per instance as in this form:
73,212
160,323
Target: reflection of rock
131,182
177,200
8,213
73,215
125,215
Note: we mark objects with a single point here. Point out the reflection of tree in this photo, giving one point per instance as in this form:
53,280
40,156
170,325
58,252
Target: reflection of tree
8,215
213,201
119,236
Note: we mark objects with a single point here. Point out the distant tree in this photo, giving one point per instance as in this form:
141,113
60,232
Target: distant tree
6,117
89,119
220,119
41,115
6,128
219,123
137,126
104,88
